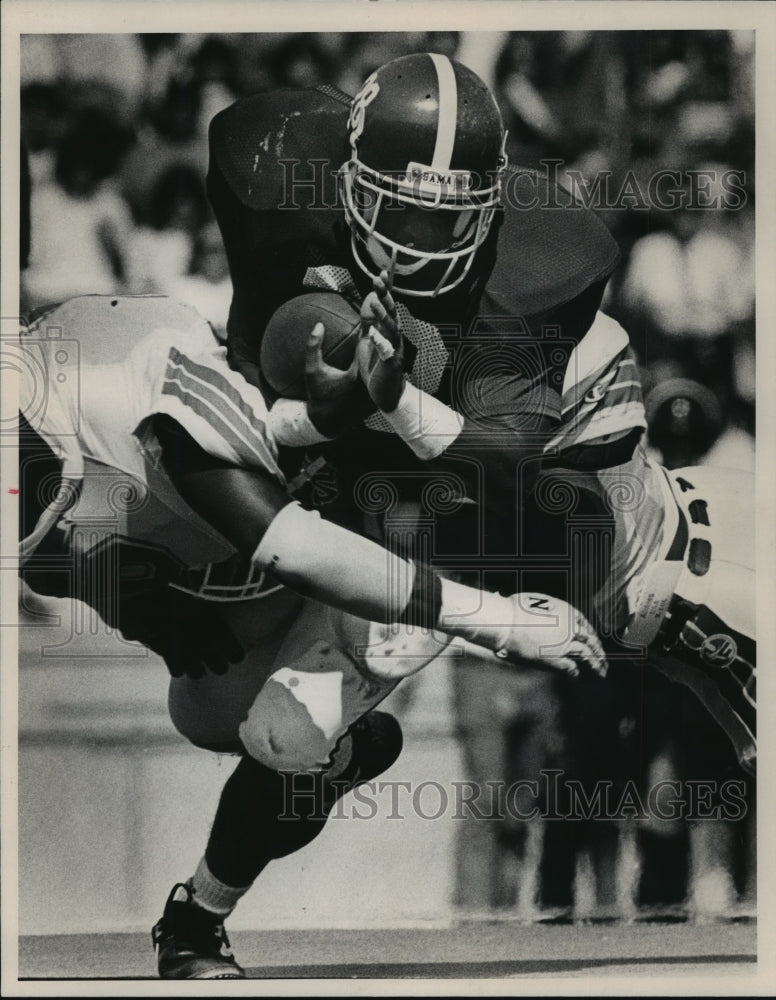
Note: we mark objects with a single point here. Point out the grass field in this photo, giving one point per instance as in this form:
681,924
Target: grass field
469,950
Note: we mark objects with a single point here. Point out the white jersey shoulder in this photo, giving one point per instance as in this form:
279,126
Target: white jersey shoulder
596,350
601,397
95,369
99,366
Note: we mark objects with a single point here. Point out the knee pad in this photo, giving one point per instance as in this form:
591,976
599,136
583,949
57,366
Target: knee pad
299,716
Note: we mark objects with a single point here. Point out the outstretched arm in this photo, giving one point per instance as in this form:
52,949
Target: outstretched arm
330,564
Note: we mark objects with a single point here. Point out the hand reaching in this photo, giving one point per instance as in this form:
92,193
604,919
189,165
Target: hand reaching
549,632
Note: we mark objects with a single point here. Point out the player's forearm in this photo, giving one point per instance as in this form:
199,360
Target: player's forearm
426,424
337,567
319,559
332,565
440,435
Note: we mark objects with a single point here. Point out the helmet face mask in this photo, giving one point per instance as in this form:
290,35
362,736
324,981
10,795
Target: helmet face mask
423,221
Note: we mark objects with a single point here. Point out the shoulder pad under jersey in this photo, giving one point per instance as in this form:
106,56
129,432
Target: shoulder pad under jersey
106,328
254,142
550,248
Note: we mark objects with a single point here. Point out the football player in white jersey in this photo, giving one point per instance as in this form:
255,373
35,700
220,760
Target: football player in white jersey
283,630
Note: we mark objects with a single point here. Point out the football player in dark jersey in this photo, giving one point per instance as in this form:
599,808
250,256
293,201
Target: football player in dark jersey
152,491
313,190
498,277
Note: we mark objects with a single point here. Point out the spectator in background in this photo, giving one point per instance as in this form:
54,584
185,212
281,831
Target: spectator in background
81,224
107,71
44,116
364,52
301,60
207,286
214,64
171,135
693,280
562,96
685,419
161,250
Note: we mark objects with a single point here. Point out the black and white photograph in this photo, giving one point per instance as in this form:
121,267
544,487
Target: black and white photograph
387,497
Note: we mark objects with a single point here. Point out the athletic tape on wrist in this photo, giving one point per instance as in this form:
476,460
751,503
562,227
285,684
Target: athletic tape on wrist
426,424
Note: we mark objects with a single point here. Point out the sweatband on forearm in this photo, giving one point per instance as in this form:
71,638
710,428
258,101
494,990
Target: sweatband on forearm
330,564
426,424
425,603
290,425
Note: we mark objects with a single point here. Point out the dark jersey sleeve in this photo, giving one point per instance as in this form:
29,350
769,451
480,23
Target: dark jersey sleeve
272,183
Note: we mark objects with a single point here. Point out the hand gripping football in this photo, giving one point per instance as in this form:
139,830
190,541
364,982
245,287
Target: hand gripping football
282,356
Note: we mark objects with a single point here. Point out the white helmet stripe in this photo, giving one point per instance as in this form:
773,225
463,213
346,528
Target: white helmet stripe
448,113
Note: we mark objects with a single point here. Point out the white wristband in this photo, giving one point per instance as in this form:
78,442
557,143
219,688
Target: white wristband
426,424
290,425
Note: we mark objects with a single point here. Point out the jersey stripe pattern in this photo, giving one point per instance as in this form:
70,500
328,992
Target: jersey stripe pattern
97,369
602,398
229,427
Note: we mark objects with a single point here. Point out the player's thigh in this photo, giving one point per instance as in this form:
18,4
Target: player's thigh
295,692
208,710
329,672
726,501
316,691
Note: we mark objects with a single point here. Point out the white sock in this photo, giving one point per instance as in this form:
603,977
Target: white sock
213,895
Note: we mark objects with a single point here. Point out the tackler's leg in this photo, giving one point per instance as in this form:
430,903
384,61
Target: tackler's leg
709,641
330,671
310,734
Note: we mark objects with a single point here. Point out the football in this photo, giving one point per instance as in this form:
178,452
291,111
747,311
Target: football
285,338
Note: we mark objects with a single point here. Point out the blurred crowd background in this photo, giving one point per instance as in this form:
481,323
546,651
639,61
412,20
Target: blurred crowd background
116,129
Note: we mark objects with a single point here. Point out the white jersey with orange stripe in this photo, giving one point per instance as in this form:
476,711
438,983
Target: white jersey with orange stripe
601,398
94,370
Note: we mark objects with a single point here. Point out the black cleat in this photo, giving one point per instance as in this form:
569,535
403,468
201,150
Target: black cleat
191,942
